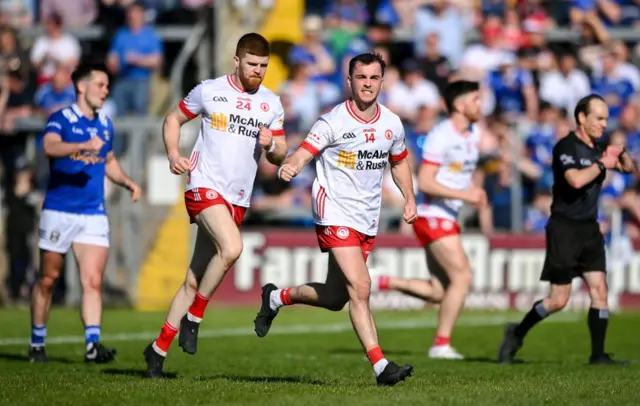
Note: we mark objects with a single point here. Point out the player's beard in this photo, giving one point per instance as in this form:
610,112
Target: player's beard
250,83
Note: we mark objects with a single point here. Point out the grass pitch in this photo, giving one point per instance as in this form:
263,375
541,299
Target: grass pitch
311,357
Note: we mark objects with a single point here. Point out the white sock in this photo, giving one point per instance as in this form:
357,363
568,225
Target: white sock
275,302
158,350
379,366
193,318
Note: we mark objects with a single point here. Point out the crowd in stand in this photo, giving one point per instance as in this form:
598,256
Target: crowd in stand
530,87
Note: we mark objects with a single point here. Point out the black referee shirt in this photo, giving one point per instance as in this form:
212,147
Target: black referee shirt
575,204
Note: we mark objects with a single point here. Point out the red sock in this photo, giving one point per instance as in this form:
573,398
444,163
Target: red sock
167,334
285,296
199,305
375,354
439,340
383,282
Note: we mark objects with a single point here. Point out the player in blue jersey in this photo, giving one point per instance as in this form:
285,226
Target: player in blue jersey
77,141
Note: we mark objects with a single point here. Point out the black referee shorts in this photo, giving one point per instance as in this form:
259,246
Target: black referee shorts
573,247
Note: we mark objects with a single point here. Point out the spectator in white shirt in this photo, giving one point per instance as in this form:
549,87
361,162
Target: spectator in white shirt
54,48
563,87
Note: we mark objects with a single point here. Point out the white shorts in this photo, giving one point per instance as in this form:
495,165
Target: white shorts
58,230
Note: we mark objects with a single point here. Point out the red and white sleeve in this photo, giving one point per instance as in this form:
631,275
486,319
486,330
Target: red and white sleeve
192,105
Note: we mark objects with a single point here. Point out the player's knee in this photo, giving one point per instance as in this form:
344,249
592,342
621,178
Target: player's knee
230,253
558,301
461,277
190,283
91,281
361,290
598,293
48,280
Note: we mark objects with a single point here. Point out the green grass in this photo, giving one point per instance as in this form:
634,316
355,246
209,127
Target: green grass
327,367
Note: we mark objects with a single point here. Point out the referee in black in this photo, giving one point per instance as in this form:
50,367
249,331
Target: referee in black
575,245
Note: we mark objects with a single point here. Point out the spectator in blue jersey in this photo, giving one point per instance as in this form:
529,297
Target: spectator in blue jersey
57,93
136,51
539,212
541,140
616,91
630,124
78,142
313,51
514,89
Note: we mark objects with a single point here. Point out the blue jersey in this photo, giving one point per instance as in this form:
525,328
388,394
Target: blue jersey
76,182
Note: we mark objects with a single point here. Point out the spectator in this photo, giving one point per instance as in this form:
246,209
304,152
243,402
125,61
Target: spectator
480,59
445,19
514,89
54,48
322,65
18,14
565,85
538,214
436,67
616,90
346,15
400,14
418,91
305,93
12,57
76,13
136,51
57,93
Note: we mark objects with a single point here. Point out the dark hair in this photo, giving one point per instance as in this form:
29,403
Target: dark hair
584,106
84,71
366,59
457,89
254,44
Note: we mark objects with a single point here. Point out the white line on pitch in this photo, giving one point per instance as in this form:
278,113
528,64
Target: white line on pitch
408,324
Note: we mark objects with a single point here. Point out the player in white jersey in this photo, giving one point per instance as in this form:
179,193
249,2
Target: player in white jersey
353,144
450,155
240,120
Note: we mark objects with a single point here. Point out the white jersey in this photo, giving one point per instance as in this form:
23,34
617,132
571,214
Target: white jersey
456,155
225,157
352,155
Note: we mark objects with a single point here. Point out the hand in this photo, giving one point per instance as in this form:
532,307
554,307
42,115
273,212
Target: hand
179,164
410,211
136,191
477,197
613,150
288,172
609,161
265,138
132,58
94,145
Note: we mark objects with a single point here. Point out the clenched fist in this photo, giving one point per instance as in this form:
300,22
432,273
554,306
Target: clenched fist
288,171
265,138
410,212
94,145
179,164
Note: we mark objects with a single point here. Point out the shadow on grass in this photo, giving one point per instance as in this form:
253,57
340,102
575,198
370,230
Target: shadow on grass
264,379
135,372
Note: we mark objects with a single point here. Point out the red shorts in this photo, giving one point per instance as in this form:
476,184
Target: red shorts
199,199
337,236
432,229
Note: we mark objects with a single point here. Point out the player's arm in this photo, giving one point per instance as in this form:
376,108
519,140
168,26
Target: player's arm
115,173
277,147
188,109
55,146
564,156
320,136
400,168
433,154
